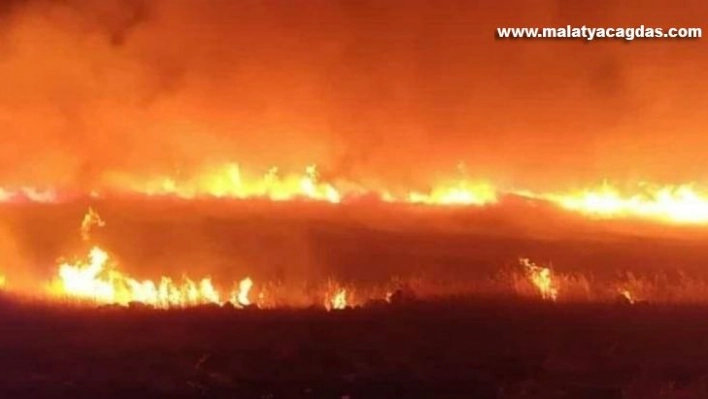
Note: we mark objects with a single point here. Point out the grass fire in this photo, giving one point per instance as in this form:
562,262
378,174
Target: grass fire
353,199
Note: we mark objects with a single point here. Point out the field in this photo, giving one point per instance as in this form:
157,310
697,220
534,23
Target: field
469,345
454,349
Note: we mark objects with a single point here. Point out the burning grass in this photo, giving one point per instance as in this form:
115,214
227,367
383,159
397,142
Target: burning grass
98,278
685,203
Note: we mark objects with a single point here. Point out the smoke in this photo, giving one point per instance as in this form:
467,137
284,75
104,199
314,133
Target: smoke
369,90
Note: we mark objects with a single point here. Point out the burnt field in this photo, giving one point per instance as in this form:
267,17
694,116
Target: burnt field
360,242
456,348
472,346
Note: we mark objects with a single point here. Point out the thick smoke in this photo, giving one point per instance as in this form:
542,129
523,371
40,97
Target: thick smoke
389,90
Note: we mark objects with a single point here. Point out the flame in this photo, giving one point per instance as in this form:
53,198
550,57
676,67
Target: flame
678,204
337,300
668,203
627,295
462,193
542,278
3,281
244,287
682,203
228,181
91,219
96,279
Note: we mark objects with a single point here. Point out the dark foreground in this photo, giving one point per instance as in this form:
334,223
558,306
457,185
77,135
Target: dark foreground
466,349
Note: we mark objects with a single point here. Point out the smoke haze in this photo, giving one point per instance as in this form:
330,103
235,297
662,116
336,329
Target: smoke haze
390,90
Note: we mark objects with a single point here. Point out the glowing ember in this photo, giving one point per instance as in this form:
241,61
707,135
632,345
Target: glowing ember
541,278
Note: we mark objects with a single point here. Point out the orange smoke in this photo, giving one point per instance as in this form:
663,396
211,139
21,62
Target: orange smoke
142,95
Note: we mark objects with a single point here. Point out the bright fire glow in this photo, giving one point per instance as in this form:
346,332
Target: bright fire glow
679,204
244,287
97,280
338,300
91,219
627,296
668,203
228,181
458,194
541,278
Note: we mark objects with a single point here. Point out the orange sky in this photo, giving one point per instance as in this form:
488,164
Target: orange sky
395,90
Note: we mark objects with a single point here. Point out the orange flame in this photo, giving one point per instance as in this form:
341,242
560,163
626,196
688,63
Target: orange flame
228,181
627,296
682,203
541,278
677,204
461,193
95,279
338,300
91,219
244,287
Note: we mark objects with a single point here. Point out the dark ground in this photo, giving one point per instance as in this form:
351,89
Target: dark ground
461,349
504,348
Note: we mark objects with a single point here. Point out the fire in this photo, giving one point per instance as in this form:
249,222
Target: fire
462,193
627,296
678,204
682,203
91,219
338,300
2,281
541,278
229,181
312,189
82,279
241,297
96,279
